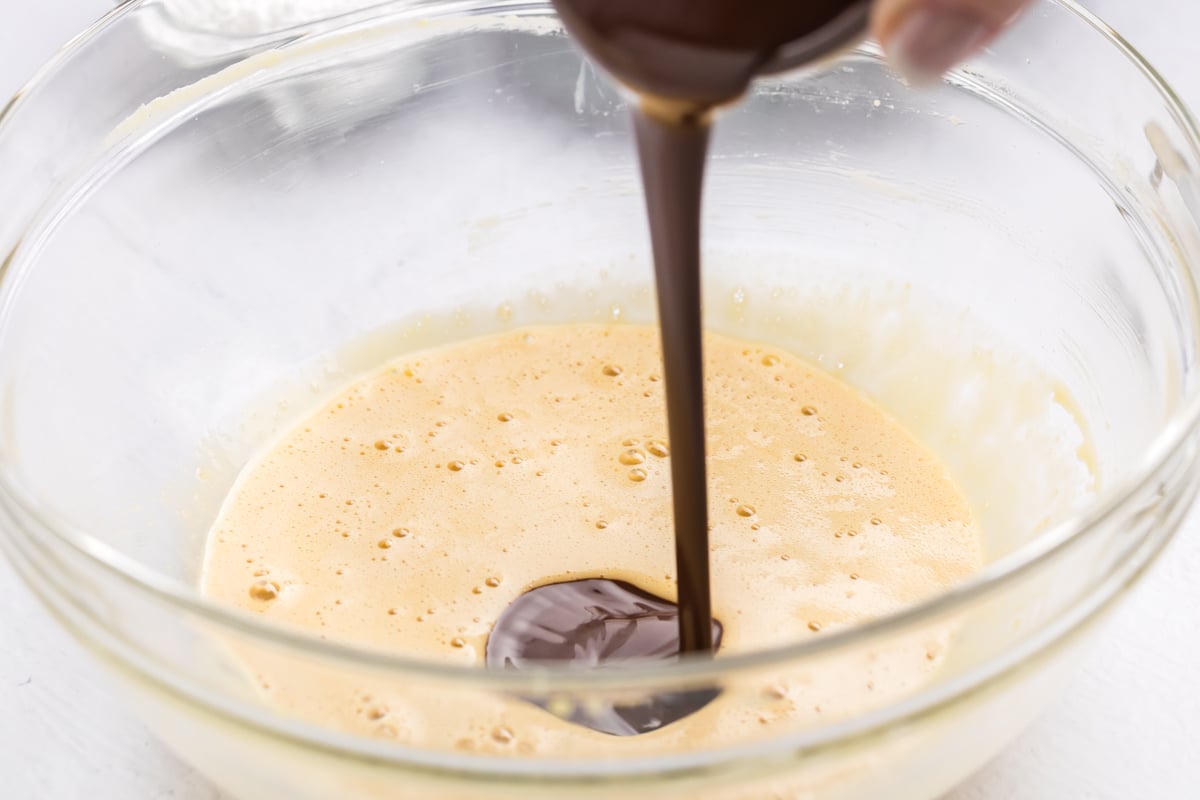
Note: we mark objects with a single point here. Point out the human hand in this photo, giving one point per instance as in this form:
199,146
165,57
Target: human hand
924,38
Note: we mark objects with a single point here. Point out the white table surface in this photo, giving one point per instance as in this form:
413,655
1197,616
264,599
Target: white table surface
1127,727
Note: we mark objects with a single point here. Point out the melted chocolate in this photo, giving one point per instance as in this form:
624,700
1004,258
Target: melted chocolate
706,52
684,57
598,624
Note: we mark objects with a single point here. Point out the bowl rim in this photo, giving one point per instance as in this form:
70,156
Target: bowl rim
994,576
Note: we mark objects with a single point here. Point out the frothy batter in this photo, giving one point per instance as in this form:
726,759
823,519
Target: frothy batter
412,510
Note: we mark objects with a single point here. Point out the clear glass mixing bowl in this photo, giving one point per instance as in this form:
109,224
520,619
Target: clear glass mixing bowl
201,234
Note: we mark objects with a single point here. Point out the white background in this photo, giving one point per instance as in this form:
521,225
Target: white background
1128,727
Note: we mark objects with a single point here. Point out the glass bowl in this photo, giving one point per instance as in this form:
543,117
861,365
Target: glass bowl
203,235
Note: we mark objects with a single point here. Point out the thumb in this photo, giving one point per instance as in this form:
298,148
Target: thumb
924,38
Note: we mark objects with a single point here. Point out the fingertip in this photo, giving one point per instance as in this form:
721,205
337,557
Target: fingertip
927,41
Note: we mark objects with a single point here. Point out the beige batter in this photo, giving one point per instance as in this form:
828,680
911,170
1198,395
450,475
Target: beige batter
410,511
